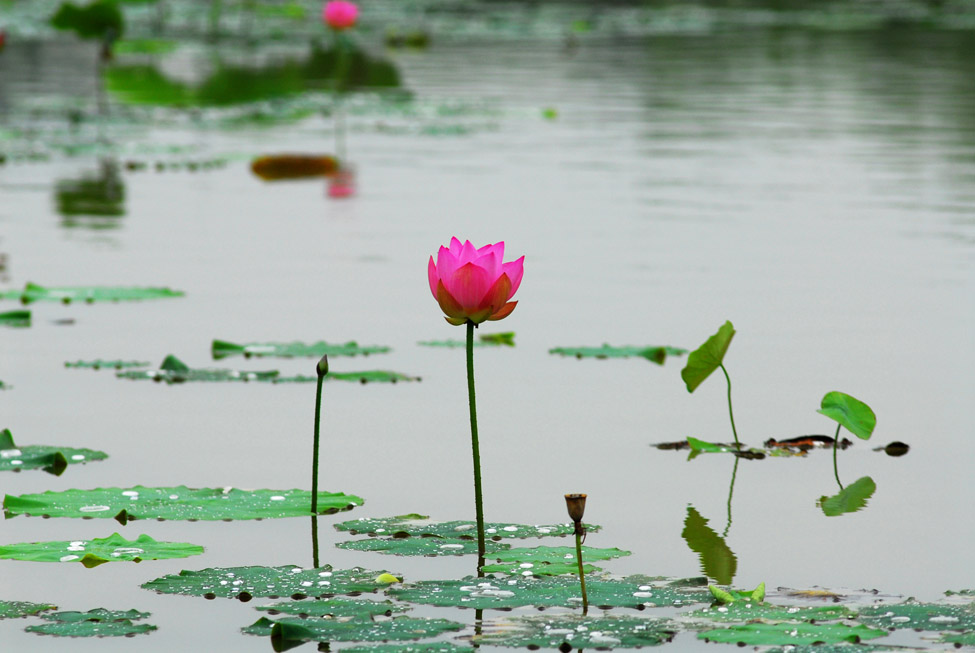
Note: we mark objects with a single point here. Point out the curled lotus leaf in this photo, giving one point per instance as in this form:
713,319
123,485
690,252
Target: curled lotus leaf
245,583
17,609
566,632
421,546
334,607
222,349
655,354
920,616
178,503
67,294
708,357
858,418
785,634
97,551
421,526
293,629
518,591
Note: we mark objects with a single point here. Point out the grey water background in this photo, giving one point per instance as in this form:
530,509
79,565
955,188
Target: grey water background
816,188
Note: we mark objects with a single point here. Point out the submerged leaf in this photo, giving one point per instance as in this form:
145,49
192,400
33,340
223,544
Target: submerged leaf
718,561
245,583
484,340
17,609
92,553
850,499
67,294
419,526
654,354
292,629
782,634
222,349
856,416
179,502
567,632
708,357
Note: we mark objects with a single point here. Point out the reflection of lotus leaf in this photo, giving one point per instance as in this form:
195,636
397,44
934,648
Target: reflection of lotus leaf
718,561
654,354
850,499
97,20
98,196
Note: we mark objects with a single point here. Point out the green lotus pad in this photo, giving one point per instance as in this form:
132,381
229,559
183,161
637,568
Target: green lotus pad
783,634
178,503
292,629
421,546
479,593
15,319
577,632
107,364
433,647
53,460
752,611
94,623
366,376
67,294
483,340
222,349
656,355
245,583
334,607
548,560
960,639
92,553
17,609
420,526
173,370
920,616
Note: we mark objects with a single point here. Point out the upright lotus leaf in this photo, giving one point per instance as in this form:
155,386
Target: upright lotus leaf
53,460
92,553
718,561
420,526
294,629
656,355
107,364
420,546
367,376
334,607
423,647
850,499
752,611
94,623
15,319
222,349
67,294
548,560
856,416
708,357
518,591
245,583
920,616
785,634
569,631
179,503
18,609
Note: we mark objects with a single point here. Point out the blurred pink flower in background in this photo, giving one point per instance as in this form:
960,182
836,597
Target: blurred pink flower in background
342,183
474,285
340,14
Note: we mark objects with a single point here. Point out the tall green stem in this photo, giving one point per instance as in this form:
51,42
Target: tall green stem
836,445
314,540
322,370
478,504
582,575
730,413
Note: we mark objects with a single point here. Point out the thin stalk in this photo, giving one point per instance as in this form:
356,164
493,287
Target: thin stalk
582,575
730,413
731,491
314,541
322,369
836,445
475,448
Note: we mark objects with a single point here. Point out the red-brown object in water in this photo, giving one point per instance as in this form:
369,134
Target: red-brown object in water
273,167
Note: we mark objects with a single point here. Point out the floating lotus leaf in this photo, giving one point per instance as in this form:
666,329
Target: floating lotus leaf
434,647
420,526
783,634
334,607
53,460
15,319
92,553
856,416
540,568
222,349
67,294
840,648
179,502
970,593
698,447
95,623
484,340
548,560
920,616
245,583
368,376
17,609
656,355
707,358
274,167
718,561
850,499
292,629
479,593
173,370
144,46
748,611
421,546
566,632
959,639
107,364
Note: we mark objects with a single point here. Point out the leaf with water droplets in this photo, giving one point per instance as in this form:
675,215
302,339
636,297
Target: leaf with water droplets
67,294
334,607
94,623
749,611
782,634
850,499
708,357
548,560
567,632
97,551
15,319
53,460
425,647
245,583
293,629
420,526
18,609
654,354
179,503
173,370
920,616
222,349
420,546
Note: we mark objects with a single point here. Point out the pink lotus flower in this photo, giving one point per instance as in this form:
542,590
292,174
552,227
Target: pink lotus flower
474,285
340,14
